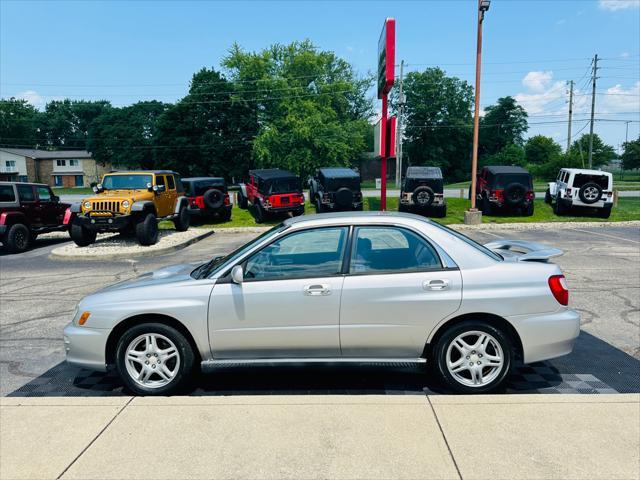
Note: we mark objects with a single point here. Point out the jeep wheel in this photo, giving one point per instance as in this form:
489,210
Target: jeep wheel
514,194
319,206
590,193
213,198
559,208
423,196
154,359
225,216
258,212
182,221
547,197
147,229
528,210
605,212
82,236
441,212
485,206
242,200
402,208
16,239
344,198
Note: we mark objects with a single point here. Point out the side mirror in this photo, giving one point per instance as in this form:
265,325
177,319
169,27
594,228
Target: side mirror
150,187
55,198
237,274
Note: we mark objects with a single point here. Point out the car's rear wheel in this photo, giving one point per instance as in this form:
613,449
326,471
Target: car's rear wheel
559,208
16,239
258,212
147,229
82,236
528,210
154,359
181,223
605,212
547,197
242,200
473,357
319,206
485,206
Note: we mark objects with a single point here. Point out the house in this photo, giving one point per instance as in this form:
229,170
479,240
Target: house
59,168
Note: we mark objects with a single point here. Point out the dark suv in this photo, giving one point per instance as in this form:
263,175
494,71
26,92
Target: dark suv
423,192
271,191
27,210
505,188
335,189
208,197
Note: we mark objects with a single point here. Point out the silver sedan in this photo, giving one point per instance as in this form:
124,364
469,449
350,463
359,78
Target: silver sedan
346,287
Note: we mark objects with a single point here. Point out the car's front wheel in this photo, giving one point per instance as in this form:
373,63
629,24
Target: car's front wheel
147,229
473,357
154,359
82,236
182,221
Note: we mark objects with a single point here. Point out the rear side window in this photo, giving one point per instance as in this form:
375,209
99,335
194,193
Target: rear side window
171,184
44,194
25,192
7,194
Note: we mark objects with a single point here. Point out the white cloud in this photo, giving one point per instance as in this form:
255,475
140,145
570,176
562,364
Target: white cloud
33,97
618,99
562,21
614,5
537,81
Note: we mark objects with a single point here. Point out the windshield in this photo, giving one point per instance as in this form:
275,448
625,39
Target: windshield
126,182
207,269
506,179
468,241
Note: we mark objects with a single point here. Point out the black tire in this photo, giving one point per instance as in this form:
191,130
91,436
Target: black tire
184,365
441,212
182,221
558,207
147,229
590,193
319,206
259,212
344,198
402,208
514,194
605,212
82,236
528,210
242,201
485,206
16,238
423,197
298,212
225,216
213,198
441,350
547,197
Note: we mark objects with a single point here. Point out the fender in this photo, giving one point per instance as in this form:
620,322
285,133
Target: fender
552,188
142,206
76,207
180,202
7,218
243,189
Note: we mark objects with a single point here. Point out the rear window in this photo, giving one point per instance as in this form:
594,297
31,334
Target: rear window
7,194
282,185
581,179
198,188
25,192
505,179
468,241
337,183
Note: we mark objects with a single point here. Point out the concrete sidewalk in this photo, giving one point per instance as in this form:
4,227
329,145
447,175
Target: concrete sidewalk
302,437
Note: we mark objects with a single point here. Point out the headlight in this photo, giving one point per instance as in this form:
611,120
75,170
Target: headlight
125,204
87,205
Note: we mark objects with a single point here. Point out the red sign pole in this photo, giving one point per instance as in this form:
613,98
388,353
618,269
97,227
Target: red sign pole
385,152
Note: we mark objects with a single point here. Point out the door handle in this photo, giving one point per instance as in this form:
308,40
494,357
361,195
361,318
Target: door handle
317,290
436,285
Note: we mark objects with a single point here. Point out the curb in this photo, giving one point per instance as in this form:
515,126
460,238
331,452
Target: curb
145,253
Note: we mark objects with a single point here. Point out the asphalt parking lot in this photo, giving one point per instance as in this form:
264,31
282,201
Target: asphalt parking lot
38,295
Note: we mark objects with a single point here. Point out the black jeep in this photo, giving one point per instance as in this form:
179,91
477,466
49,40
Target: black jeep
333,189
423,192
208,197
504,188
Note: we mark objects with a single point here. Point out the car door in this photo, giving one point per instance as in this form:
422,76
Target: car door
172,194
29,205
162,197
289,302
396,292
50,212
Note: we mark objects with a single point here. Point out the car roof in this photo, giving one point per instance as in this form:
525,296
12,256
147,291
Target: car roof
424,172
338,172
24,183
203,179
586,171
135,172
271,173
340,218
498,169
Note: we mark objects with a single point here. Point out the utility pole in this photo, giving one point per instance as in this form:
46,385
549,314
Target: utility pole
570,114
399,127
593,108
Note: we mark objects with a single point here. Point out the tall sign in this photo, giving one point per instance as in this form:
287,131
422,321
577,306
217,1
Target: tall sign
386,73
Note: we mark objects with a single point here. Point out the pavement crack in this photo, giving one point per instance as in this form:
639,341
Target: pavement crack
444,437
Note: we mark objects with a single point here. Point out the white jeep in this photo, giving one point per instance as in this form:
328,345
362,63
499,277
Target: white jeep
576,187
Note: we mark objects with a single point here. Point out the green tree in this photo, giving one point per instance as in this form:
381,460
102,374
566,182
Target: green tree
126,136
208,132
310,107
503,123
631,154
602,153
510,155
19,123
438,122
67,122
540,149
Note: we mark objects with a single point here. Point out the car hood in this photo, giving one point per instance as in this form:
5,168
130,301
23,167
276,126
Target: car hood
170,274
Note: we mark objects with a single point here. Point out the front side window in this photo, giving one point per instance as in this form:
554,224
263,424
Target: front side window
6,194
25,192
160,180
126,182
306,254
44,194
391,249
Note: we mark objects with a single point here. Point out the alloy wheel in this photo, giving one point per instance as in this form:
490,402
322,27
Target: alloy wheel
152,360
474,358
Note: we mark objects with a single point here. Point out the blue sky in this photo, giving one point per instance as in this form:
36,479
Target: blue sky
130,51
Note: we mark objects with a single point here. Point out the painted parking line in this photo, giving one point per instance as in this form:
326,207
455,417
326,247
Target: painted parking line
605,235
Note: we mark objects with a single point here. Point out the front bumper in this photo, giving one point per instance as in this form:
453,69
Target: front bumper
547,336
104,224
86,347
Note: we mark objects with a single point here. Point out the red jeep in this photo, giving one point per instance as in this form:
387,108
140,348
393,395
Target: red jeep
505,188
208,197
27,210
272,191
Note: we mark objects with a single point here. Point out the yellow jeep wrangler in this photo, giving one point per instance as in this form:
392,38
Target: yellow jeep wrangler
130,202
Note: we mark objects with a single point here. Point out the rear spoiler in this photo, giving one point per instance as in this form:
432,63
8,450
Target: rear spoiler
531,251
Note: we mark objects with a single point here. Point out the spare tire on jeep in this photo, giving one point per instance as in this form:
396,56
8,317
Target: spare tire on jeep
590,193
514,194
423,196
344,197
213,198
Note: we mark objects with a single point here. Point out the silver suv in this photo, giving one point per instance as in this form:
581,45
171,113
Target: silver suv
338,287
575,187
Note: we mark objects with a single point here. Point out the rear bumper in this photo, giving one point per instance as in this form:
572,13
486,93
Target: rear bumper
290,208
209,211
104,224
576,202
86,347
547,336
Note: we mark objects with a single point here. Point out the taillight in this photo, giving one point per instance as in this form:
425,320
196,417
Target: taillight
530,195
558,286
497,194
226,199
67,216
568,192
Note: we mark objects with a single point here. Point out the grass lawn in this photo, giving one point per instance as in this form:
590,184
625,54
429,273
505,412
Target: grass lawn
627,209
72,191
